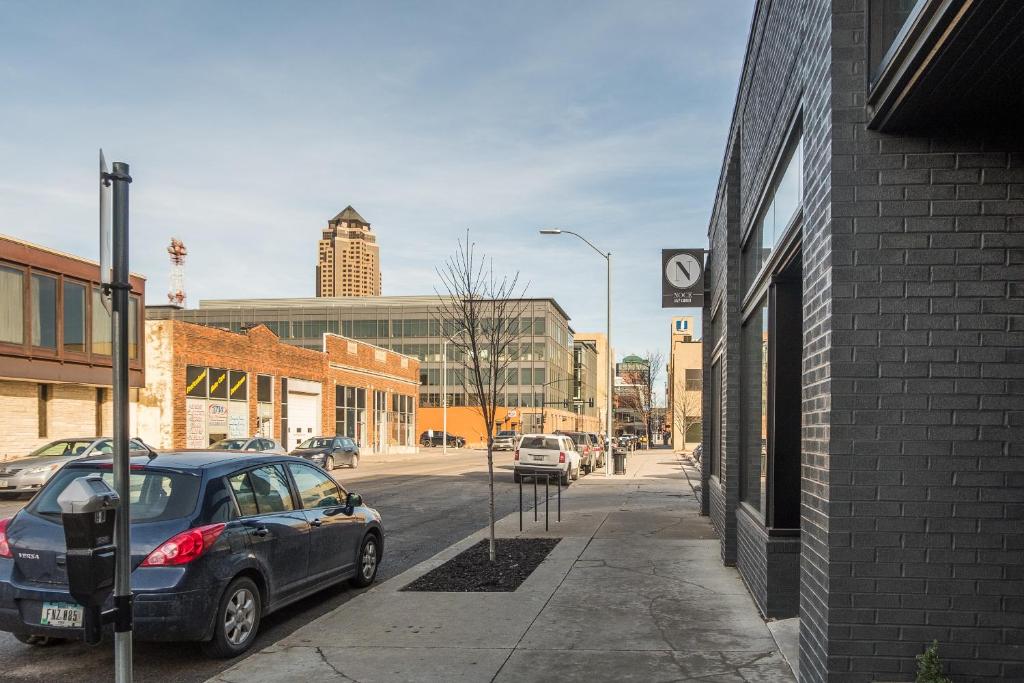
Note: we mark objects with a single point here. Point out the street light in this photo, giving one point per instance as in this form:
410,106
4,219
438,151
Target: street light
608,339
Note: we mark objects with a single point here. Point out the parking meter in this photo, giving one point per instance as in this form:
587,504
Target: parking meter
88,506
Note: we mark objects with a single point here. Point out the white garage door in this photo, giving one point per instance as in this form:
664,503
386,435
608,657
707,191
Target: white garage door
303,417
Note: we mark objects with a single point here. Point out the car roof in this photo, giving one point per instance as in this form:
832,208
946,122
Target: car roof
187,460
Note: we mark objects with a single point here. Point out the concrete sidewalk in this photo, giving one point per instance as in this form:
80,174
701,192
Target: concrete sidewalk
635,591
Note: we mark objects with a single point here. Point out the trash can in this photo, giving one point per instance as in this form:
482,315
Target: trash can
620,462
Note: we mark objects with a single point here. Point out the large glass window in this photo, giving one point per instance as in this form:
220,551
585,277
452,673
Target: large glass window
73,317
716,419
12,312
44,311
133,327
887,19
100,324
754,380
781,204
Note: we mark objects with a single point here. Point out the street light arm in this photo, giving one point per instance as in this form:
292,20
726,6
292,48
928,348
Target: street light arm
589,243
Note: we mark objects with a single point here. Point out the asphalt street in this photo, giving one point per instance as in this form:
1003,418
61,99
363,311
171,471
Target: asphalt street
428,501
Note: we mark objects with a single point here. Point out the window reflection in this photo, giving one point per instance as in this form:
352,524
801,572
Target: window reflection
44,311
781,205
754,370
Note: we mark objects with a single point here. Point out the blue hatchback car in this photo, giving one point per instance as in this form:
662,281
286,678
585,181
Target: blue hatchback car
218,541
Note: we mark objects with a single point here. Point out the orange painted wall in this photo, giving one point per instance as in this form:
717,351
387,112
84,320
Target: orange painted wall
466,421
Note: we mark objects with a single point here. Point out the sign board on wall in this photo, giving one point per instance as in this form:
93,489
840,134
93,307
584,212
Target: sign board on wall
238,420
217,417
195,423
682,278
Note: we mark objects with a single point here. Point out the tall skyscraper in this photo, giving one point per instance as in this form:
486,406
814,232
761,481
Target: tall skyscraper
348,258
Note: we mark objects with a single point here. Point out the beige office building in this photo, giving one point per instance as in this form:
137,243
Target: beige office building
348,258
683,413
600,343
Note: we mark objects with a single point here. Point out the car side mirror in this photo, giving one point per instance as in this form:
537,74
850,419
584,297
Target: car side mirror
353,500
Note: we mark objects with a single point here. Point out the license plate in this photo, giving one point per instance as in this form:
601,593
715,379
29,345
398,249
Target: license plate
5,484
62,614
538,457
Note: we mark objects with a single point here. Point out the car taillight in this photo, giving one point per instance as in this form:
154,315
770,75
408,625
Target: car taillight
517,454
561,456
185,547
5,547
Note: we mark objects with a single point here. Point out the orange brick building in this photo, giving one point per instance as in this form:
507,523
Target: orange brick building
204,384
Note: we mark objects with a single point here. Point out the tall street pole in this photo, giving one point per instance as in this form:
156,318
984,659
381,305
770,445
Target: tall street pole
120,287
611,372
444,395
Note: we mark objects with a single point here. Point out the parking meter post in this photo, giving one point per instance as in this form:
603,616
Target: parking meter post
534,477
547,497
119,334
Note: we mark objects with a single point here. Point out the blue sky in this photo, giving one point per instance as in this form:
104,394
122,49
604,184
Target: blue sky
248,125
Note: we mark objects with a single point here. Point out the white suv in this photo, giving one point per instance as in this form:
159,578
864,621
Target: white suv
547,454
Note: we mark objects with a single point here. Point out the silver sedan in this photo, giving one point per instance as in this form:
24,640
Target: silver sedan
28,474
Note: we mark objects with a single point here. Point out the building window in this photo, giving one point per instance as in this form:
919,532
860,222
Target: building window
716,419
754,392
101,398
44,311
693,379
133,327
73,317
265,405
781,206
100,324
12,311
887,19
350,413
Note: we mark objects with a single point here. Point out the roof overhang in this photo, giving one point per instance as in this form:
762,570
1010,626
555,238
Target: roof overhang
955,64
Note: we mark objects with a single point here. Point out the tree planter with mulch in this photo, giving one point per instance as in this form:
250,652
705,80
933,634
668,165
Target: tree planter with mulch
471,571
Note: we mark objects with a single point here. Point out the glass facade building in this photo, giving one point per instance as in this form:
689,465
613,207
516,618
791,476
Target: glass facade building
541,358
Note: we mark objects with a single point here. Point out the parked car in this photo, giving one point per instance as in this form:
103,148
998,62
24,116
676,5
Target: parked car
586,448
28,474
435,440
329,451
218,542
506,440
547,454
260,444
597,443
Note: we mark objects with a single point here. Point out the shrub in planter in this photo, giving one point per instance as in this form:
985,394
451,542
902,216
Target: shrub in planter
929,668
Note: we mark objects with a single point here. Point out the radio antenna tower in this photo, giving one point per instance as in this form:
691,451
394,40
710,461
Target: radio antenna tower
178,252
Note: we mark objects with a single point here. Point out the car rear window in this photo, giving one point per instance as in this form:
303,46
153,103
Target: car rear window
154,495
541,443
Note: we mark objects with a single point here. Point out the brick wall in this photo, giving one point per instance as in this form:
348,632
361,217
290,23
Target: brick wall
19,419
259,351
926,392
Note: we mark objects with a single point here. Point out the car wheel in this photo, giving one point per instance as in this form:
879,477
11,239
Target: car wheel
329,464
564,479
36,641
369,560
355,462
238,620
577,476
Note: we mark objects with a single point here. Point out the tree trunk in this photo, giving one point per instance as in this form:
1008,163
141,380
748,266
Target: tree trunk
490,478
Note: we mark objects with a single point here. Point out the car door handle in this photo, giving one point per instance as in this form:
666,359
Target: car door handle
316,522
261,531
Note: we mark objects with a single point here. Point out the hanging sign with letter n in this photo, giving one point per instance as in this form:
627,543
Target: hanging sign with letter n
682,278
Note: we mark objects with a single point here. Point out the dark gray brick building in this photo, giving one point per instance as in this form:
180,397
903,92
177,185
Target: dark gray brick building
864,334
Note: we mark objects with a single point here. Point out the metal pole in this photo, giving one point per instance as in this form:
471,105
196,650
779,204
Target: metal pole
520,502
444,395
535,497
547,497
611,372
119,336
559,503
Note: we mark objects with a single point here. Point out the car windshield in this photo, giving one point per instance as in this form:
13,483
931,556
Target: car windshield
506,433
316,442
229,445
154,495
543,443
62,448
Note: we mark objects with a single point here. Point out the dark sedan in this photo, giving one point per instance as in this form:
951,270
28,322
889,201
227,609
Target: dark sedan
218,542
436,440
329,451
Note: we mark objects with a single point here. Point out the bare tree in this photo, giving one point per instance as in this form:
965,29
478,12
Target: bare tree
638,395
479,314
686,408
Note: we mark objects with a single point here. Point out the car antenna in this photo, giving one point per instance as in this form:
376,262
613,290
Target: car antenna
149,451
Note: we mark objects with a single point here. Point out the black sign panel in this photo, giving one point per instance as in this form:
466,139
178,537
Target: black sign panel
682,278
239,385
218,383
195,381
